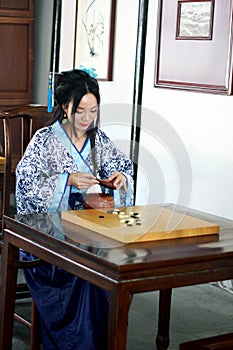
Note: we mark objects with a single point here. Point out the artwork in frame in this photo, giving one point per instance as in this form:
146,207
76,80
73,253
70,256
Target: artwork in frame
195,20
194,45
94,39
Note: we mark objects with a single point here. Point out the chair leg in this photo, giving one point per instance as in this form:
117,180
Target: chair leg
35,335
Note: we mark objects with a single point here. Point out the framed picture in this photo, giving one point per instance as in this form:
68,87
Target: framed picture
194,45
94,36
195,20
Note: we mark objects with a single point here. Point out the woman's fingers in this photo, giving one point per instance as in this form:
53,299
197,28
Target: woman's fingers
82,180
85,180
119,180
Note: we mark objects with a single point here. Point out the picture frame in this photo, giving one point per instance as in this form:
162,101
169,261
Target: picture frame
194,58
94,36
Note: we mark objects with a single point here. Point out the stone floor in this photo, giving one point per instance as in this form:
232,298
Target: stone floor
197,312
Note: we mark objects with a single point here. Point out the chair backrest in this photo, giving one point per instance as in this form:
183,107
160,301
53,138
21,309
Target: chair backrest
19,125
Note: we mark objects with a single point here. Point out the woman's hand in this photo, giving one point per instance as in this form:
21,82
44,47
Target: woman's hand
82,180
119,180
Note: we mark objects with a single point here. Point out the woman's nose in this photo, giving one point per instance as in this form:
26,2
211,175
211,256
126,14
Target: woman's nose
87,115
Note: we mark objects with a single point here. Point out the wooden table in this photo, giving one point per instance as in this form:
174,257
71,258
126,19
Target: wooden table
121,269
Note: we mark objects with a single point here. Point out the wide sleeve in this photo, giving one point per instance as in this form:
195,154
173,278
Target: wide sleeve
43,168
112,159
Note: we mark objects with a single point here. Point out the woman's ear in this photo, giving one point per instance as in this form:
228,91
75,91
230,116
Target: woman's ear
67,108
64,107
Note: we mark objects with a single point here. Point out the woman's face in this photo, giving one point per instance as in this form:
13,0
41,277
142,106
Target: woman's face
85,113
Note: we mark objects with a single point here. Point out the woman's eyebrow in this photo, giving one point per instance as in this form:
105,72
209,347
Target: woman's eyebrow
88,107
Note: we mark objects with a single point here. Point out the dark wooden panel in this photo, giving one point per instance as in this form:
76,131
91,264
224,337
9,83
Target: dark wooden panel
16,60
20,8
13,67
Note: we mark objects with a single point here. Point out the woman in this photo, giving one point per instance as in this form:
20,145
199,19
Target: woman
61,163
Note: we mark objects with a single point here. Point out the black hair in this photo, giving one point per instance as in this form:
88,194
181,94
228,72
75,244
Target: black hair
70,86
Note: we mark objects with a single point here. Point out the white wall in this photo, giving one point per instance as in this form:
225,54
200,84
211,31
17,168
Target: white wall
187,137
204,122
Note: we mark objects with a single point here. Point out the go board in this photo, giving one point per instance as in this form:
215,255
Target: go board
140,223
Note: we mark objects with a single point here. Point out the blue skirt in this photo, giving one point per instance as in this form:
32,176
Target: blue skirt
73,312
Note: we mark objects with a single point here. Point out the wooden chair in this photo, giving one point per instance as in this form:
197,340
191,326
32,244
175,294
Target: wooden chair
18,127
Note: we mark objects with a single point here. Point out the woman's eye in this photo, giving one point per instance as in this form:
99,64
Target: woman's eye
80,112
94,110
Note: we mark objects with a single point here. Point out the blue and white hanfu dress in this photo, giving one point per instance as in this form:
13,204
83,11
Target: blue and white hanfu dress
73,312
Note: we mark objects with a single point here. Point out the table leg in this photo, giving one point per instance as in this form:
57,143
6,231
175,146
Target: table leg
162,338
8,290
118,318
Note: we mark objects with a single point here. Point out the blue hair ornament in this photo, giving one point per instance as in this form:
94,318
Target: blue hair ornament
90,71
50,93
